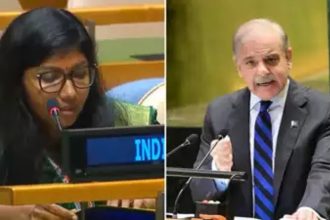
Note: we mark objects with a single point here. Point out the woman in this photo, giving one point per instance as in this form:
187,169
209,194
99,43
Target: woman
46,54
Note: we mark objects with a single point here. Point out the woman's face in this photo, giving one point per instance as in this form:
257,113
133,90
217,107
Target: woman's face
58,78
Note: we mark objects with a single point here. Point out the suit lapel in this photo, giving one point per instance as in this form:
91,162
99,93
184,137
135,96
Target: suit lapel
293,118
239,135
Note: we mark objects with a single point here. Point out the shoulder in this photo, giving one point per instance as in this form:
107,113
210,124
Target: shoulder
314,100
228,101
317,97
221,110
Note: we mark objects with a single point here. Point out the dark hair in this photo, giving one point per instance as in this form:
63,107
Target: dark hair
28,41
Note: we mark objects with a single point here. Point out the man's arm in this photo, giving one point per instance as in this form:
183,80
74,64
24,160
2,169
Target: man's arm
27,212
303,213
204,188
317,193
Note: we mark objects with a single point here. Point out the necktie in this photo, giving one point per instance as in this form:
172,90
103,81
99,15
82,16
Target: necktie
263,164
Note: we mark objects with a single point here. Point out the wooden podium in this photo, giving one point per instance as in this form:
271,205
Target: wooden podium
80,192
83,192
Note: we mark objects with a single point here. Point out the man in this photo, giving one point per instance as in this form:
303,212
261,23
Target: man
278,133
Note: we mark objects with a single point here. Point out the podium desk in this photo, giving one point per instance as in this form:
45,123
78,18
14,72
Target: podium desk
80,192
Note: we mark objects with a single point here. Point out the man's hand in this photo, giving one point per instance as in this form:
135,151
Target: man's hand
51,212
223,154
302,214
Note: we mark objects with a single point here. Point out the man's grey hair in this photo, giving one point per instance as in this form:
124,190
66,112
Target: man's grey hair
247,27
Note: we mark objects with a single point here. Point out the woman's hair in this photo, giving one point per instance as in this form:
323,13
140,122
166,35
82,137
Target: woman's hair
27,42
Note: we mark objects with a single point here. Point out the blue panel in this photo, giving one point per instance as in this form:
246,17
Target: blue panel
125,150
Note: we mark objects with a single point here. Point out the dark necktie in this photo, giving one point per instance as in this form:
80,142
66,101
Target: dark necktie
263,164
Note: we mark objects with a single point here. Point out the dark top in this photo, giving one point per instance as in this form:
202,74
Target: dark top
302,160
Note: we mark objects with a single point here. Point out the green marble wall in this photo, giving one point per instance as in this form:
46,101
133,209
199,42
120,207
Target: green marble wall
199,59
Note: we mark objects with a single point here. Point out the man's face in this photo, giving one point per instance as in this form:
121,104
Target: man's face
263,63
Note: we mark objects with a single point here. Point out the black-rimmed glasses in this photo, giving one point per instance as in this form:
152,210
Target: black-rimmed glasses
52,79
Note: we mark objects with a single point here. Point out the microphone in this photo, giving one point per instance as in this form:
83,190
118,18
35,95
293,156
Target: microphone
191,139
221,135
54,112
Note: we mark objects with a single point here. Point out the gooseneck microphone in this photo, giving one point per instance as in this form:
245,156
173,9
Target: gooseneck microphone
221,135
54,112
190,140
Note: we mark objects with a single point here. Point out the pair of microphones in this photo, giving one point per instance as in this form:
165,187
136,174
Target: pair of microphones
54,112
191,140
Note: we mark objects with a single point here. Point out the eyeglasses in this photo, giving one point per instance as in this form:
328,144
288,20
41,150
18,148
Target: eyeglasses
52,79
